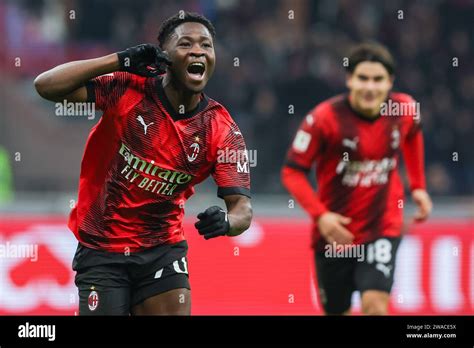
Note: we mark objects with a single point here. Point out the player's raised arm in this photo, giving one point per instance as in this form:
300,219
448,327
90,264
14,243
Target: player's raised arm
66,81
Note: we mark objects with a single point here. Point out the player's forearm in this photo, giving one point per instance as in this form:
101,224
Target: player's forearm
298,185
68,77
413,155
240,216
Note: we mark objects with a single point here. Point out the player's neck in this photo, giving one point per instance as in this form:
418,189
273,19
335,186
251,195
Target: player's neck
371,114
180,98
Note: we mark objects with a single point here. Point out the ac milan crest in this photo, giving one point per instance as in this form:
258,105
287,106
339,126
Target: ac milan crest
93,300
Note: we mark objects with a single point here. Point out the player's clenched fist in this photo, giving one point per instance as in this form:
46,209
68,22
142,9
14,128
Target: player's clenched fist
144,60
331,227
213,222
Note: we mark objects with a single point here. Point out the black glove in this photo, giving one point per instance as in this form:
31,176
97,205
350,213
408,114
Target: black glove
144,60
213,223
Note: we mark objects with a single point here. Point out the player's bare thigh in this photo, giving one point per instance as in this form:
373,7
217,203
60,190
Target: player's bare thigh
375,302
172,302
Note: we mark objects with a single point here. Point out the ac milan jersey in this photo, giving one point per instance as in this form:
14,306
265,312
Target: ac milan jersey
357,161
143,159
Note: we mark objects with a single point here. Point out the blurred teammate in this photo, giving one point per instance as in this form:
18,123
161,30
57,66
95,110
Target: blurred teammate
158,137
356,140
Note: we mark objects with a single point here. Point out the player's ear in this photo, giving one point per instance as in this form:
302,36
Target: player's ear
165,51
164,47
391,80
349,80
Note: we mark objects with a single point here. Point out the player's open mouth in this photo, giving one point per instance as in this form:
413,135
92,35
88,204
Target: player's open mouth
196,70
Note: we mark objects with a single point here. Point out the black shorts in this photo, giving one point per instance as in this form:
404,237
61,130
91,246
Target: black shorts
368,266
112,283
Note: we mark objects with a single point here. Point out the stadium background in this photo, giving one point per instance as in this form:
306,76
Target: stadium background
285,66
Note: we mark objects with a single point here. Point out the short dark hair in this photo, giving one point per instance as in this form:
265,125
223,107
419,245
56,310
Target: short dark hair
371,52
170,24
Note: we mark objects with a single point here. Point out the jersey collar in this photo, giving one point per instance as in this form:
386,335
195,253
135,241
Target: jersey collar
176,116
362,116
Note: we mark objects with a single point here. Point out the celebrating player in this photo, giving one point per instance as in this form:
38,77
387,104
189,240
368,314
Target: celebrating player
159,136
355,140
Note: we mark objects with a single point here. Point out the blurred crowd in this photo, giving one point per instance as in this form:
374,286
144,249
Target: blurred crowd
277,59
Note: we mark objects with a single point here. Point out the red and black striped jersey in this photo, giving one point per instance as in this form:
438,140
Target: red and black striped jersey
143,159
357,161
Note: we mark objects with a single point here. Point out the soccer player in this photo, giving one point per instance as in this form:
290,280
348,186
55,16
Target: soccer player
356,140
158,137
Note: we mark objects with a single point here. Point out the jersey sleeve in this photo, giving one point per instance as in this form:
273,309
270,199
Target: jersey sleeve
231,171
413,152
307,143
414,119
106,90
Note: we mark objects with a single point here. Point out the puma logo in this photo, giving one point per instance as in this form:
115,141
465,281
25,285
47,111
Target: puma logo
352,144
142,121
384,269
